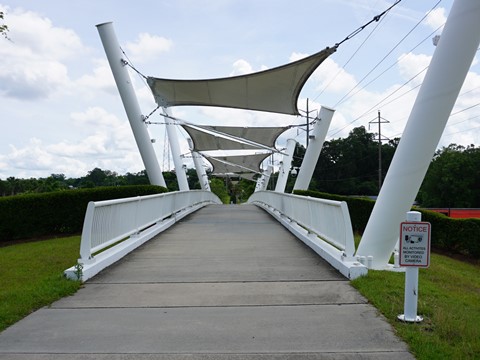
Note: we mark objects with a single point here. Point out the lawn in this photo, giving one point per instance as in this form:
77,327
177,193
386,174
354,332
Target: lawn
31,276
448,299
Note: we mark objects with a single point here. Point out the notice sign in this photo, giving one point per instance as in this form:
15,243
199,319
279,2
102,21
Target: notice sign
415,244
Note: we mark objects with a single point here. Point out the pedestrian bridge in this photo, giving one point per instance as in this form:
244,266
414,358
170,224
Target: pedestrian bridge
114,228
225,282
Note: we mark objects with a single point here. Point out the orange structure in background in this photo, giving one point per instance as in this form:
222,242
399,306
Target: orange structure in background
458,213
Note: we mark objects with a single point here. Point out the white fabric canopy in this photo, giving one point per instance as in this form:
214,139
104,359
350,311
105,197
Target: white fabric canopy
241,165
207,138
274,90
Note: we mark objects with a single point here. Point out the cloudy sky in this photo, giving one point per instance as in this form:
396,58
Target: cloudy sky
61,113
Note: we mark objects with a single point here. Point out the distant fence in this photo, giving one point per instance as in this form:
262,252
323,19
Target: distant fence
458,213
134,220
322,224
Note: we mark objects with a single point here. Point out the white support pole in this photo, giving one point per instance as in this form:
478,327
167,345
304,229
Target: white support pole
130,103
411,283
259,182
263,180
285,168
176,155
447,71
314,148
201,173
266,179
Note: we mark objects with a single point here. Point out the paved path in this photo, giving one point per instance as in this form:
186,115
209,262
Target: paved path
228,282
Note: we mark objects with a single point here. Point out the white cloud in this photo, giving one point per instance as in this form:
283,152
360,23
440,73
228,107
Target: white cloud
30,78
32,62
436,18
331,76
296,56
101,78
411,65
108,144
147,47
241,67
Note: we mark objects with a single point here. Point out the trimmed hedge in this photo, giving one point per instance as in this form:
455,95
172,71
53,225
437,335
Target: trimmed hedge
57,213
461,236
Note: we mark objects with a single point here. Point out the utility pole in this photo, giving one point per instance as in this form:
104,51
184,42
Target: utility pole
308,123
379,120
308,126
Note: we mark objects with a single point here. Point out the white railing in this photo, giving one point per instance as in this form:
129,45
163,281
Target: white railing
134,220
327,218
322,224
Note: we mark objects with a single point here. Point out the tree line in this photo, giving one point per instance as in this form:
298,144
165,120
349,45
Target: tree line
350,166
346,166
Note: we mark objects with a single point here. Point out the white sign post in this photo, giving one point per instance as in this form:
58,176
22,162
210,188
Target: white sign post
414,253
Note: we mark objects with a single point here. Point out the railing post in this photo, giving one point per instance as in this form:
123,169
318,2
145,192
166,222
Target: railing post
349,240
86,240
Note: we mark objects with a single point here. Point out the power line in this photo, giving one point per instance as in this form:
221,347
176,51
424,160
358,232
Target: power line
361,28
377,104
349,59
346,96
395,63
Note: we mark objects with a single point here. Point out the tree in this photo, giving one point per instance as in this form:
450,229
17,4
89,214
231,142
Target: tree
3,27
218,188
192,178
350,166
453,178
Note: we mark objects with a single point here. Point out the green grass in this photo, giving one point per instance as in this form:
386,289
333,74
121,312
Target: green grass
448,299
31,276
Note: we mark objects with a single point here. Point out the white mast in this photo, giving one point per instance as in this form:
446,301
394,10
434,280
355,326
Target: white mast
314,148
435,100
130,103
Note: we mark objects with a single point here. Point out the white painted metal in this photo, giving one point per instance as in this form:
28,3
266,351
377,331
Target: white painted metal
285,167
176,154
263,180
133,220
411,283
130,103
443,81
259,182
201,173
324,225
315,145
266,179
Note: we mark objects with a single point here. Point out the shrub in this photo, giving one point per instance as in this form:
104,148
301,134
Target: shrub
57,213
461,236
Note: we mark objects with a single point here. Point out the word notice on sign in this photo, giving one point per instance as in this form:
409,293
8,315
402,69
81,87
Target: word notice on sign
415,244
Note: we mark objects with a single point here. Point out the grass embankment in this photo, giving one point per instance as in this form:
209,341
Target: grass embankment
31,276
448,299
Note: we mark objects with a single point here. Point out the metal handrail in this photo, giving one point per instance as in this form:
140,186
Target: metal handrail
328,219
108,222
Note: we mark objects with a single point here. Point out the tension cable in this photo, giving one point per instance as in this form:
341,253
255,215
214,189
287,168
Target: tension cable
375,19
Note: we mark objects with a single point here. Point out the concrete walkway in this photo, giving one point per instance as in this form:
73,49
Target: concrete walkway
228,282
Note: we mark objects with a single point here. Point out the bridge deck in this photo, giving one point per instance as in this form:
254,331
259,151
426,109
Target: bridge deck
228,282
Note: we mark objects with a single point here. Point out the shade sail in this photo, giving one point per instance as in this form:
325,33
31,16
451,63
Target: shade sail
241,165
206,138
274,90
